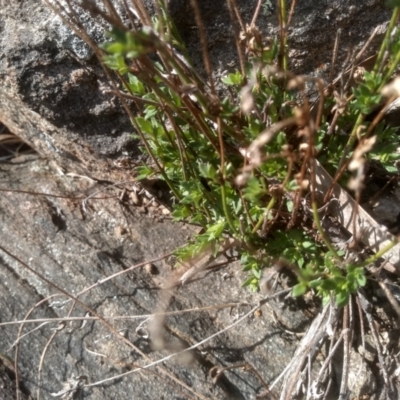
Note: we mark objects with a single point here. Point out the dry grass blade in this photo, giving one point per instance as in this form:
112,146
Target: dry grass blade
45,321
367,309
362,225
8,138
203,41
12,146
318,332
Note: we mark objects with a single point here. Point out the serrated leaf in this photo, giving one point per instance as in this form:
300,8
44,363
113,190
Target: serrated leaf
207,170
144,125
216,230
135,85
150,111
144,172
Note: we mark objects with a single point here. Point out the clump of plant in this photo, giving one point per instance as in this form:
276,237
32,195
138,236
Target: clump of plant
242,164
244,157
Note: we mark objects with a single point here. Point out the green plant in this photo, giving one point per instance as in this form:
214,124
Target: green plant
240,164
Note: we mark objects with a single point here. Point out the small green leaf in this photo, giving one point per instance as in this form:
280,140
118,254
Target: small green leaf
342,298
246,267
144,172
390,168
233,79
207,170
361,279
308,245
145,125
250,281
326,299
254,189
181,213
116,63
299,289
114,48
256,272
315,283
150,111
215,231
328,285
135,85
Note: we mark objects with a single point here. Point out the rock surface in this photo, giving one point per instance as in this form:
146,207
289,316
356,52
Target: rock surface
50,97
76,248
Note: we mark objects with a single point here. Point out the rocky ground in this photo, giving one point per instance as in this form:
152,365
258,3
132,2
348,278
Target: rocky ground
51,98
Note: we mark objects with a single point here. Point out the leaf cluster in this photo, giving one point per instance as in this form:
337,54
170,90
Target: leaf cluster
198,141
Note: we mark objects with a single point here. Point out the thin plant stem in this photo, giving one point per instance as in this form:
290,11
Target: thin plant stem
379,253
291,12
124,317
394,64
256,13
143,14
203,41
226,210
223,177
283,57
265,215
352,139
236,34
385,44
322,232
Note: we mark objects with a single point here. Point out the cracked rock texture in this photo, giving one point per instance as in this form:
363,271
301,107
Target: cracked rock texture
51,97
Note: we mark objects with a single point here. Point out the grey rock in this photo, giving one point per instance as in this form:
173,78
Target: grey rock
312,31
86,248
